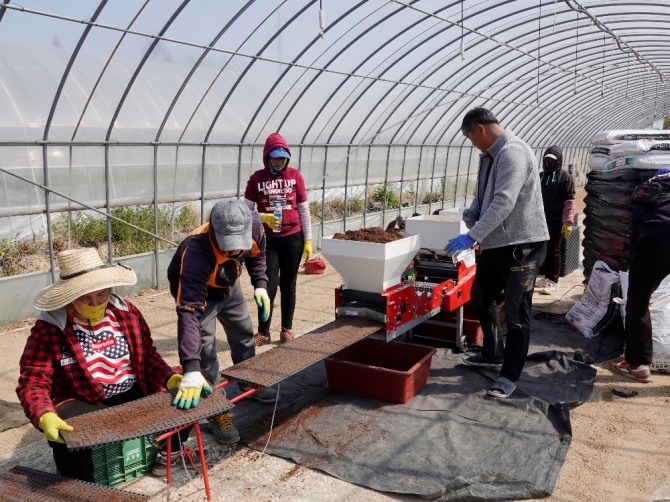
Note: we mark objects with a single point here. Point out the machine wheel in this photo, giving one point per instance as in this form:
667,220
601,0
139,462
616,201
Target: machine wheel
462,345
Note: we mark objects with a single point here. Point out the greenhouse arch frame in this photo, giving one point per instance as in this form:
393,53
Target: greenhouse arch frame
168,102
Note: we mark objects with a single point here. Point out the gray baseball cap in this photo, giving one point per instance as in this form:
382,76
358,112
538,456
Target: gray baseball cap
231,222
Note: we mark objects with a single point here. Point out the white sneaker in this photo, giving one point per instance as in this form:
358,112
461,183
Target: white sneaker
548,288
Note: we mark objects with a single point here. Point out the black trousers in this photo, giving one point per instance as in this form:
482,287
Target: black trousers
78,464
552,262
512,269
283,256
648,267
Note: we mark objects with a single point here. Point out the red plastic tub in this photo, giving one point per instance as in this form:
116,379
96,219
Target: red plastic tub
390,371
435,326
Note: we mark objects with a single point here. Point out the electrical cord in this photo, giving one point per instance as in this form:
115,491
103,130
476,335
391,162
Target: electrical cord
543,308
274,413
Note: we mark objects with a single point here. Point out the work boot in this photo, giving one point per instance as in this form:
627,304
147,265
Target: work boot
261,339
265,395
222,428
286,335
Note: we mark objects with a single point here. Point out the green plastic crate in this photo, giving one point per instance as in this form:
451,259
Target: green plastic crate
117,463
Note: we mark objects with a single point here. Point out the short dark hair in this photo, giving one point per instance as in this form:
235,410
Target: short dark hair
475,117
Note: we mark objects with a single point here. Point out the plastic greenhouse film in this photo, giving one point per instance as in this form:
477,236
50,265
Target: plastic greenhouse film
603,188
619,216
634,175
608,241
614,200
593,257
610,201
594,219
593,252
620,255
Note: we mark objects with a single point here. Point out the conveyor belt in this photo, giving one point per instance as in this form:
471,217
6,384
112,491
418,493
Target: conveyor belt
149,415
281,362
30,485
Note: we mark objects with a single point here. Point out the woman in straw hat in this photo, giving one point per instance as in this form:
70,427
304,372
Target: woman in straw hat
89,349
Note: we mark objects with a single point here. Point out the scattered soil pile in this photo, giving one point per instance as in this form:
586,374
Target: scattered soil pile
372,234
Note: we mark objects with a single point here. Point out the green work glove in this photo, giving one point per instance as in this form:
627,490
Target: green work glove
271,220
566,230
51,424
190,387
307,249
174,381
263,302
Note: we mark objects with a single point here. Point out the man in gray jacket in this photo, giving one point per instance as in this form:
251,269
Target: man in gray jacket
506,219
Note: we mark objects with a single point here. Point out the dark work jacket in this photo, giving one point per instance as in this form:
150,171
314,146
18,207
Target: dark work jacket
649,220
200,273
557,187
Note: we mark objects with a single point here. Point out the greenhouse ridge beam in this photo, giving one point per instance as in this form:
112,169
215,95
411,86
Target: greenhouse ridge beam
170,103
601,26
471,32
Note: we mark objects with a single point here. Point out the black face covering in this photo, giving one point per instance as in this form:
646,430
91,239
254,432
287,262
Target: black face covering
277,171
550,165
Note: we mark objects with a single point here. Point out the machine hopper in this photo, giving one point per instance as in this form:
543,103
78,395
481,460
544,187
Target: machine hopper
369,266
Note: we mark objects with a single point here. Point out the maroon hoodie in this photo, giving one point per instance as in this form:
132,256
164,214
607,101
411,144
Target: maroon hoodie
286,187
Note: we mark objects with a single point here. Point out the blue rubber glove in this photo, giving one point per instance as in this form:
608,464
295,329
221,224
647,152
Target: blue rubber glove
458,244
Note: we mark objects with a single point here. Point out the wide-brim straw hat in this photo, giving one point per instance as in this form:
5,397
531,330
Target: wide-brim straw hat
82,272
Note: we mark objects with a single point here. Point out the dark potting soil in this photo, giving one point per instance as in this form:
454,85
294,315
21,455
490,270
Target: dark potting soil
371,234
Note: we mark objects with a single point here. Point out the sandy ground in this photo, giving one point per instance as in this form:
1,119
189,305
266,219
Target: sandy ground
620,449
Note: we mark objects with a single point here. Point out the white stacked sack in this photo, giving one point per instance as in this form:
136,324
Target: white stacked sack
596,309
630,148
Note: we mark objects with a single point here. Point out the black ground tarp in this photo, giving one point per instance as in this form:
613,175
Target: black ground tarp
450,441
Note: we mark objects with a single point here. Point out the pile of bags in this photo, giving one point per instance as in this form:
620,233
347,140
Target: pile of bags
630,148
605,299
619,161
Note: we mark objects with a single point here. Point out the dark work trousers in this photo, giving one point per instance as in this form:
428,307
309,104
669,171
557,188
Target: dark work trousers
232,312
78,464
648,267
283,256
512,269
552,262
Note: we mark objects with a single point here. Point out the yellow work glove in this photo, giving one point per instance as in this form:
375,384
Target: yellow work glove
51,424
263,302
190,387
271,220
174,381
566,230
307,249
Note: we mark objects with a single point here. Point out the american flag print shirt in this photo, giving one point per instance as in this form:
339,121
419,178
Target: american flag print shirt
107,354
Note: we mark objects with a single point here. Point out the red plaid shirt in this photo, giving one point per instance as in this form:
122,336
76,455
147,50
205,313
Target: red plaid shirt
53,366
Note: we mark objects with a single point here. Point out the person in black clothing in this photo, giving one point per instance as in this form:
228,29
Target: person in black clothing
650,248
558,196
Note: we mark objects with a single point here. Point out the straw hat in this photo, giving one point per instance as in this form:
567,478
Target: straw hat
82,272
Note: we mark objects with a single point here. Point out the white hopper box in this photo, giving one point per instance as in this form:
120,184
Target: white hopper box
436,230
369,266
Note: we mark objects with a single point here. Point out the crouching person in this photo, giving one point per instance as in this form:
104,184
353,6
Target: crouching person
89,349
204,276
